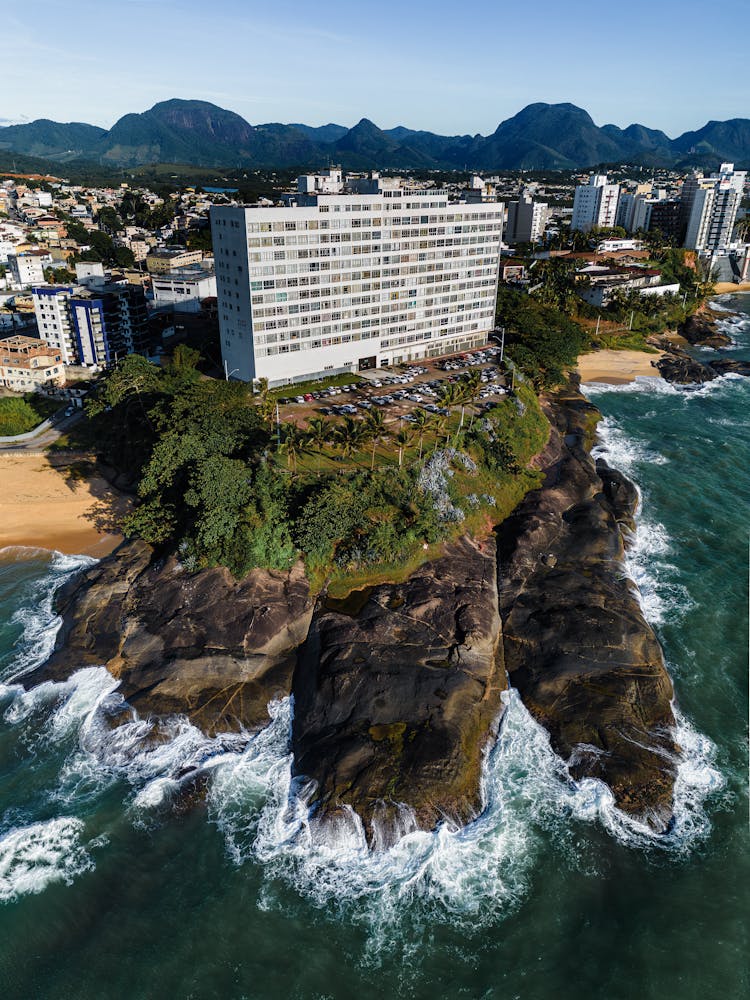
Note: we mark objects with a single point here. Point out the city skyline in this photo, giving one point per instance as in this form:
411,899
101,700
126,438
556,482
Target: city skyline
461,75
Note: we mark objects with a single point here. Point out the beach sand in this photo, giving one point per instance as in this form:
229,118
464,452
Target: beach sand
55,502
724,287
616,367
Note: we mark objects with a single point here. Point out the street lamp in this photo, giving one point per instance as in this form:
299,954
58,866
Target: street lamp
228,373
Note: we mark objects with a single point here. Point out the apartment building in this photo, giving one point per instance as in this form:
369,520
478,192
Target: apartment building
368,274
167,259
709,208
27,363
92,324
595,204
28,268
527,220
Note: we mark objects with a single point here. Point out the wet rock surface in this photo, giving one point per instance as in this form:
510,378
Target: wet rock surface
200,644
731,366
678,366
396,701
702,329
586,663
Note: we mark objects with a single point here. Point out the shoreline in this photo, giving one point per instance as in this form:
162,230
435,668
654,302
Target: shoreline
613,367
58,503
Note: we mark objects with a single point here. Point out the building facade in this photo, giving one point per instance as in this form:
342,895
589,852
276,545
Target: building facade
27,363
92,325
527,220
709,208
368,276
595,204
162,261
185,289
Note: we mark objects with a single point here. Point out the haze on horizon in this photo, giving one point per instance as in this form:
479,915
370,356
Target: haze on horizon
426,65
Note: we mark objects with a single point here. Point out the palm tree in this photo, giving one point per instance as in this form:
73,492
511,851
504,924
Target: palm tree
262,389
318,432
350,435
421,423
403,440
292,443
375,428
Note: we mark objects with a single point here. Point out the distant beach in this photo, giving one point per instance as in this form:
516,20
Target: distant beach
617,367
57,503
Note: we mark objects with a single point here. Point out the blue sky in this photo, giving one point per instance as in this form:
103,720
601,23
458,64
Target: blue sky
447,67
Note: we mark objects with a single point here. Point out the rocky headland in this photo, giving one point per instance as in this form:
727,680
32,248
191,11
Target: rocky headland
397,689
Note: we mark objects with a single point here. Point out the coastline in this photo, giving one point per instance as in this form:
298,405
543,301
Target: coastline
730,288
617,367
58,503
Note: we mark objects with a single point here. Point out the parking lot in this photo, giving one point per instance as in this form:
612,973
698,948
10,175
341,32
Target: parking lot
399,392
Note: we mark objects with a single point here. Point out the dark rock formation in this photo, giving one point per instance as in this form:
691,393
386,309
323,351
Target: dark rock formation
585,662
728,366
201,644
678,366
397,696
701,328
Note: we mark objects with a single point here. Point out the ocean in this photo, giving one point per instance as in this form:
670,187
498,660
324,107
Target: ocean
109,890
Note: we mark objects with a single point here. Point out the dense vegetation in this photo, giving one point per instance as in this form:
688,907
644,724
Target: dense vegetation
218,481
541,339
19,415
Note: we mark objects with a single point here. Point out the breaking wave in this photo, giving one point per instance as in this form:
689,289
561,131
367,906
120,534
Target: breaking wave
32,857
36,619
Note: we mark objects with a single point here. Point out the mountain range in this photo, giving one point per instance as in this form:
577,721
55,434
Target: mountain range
540,137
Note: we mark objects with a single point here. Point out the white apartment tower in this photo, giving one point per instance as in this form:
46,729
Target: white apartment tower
595,204
710,207
368,274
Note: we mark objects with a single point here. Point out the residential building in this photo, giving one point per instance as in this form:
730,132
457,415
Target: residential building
665,218
527,220
166,259
92,324
27,363
28,268
595,204
373,274
184,289
709,208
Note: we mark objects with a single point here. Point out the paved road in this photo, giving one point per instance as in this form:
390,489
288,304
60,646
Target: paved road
60,425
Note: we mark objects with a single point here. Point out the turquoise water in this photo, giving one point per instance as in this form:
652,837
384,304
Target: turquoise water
108,891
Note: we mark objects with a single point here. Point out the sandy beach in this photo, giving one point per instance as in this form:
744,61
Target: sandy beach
616,367
725,287
54,502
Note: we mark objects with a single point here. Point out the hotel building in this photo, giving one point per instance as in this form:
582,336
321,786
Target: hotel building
352,274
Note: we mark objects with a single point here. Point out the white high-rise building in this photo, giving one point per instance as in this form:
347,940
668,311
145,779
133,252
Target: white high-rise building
595,204
371,275
710,207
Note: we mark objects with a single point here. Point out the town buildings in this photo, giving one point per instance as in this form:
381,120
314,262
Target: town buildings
27,363
352,274
595,204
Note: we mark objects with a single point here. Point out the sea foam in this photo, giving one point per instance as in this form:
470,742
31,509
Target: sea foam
34,856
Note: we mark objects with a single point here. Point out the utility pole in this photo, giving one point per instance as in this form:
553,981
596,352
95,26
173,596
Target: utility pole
502,343
632,314
598,321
